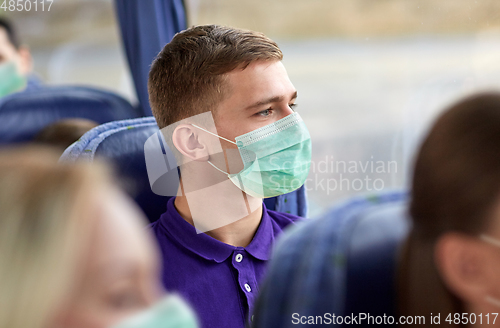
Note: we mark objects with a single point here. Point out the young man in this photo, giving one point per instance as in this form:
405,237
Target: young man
16,63
236,77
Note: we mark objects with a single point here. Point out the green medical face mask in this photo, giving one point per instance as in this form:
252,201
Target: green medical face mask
171,312
276,158
10,79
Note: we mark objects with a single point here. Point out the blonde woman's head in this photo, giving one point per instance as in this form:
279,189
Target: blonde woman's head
73,252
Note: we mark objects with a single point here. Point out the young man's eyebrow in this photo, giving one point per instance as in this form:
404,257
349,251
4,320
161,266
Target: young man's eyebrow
271,100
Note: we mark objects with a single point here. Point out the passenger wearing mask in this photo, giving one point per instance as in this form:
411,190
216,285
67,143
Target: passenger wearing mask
74,252
16,63
224,102
451,262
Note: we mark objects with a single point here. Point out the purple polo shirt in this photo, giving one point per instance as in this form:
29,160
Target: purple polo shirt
220,281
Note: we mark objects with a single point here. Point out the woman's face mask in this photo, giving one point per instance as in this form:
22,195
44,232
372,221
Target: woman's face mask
170,312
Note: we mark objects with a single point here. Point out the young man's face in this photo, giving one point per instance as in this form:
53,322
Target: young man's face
258,95
21,57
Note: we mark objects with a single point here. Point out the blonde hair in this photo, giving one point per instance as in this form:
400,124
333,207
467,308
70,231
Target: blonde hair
44,222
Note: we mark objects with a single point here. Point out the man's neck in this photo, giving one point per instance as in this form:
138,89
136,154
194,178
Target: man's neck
239,233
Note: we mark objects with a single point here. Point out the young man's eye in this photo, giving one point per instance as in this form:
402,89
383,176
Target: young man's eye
265,112
292,106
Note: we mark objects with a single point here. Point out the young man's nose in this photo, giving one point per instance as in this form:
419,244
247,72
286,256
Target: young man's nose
285,111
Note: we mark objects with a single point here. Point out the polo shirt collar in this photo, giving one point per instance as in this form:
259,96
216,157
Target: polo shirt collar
210,248
260,246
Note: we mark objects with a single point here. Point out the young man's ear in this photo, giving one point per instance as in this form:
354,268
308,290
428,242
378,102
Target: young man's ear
186,139
25,60
462,265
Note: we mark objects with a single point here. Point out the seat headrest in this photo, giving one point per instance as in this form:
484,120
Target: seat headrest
373,240
343,262
24,114
122,144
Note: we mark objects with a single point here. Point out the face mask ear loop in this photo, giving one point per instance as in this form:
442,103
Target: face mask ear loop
196,126
215,167
494,242
490,240
493,301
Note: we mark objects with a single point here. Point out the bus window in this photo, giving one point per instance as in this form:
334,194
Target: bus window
371,76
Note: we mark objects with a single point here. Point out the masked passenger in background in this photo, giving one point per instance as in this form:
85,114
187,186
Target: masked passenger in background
74,252
451,263
16,64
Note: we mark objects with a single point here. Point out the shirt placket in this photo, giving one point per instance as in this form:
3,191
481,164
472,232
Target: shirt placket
242,262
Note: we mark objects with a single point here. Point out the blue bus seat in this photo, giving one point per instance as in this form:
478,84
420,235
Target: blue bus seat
344,262
122,143
24,114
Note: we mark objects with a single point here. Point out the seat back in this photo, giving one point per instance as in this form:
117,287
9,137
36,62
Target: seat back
24,114
122,143
343,263
373,242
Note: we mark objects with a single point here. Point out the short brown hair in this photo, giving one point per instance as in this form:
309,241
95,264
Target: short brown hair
61,134
186,77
